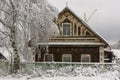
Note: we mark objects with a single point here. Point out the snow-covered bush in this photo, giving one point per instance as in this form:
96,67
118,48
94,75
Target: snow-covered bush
111,71
52,69
4,68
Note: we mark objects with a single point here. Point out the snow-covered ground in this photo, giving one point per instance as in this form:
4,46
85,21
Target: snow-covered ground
96,72
55,78
78,73
116,52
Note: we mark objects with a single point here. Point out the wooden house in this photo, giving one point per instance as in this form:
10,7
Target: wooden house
77,42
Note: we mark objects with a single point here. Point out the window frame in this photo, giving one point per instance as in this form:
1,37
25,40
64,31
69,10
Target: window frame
88,55
45,59
63,29
66,55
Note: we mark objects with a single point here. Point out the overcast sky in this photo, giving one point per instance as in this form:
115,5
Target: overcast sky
105,21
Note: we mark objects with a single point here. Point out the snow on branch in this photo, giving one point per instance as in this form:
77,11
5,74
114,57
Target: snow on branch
4,24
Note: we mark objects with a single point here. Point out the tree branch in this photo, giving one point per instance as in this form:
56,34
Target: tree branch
5,33
4,37
24,21
5,11
4,1
4,23
12,4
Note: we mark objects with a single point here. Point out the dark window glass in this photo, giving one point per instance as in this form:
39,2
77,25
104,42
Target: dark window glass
66,29
79,30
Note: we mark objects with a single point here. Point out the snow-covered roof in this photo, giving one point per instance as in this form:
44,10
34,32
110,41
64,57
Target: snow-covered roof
71,43
116,52
108,49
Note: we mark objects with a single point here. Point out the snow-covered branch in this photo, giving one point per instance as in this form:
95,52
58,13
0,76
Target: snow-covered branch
4,24
27,21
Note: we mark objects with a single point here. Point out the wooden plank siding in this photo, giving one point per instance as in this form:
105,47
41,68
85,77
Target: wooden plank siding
76,52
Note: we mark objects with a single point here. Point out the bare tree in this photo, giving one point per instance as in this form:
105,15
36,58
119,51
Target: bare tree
24,21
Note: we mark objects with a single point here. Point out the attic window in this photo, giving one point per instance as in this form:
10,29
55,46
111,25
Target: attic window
79,31
75,28
66,29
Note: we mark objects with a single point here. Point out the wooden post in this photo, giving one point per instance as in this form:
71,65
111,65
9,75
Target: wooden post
101,54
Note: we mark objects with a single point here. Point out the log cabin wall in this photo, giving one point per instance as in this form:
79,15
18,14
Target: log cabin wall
74,51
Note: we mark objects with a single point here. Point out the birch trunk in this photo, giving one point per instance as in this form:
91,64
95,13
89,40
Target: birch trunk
16,58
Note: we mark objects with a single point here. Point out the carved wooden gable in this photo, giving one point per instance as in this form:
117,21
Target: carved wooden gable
72,26
77,27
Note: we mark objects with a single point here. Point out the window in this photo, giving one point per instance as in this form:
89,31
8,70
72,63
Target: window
75,28
79,31
67,58
66,29
48,57
85,58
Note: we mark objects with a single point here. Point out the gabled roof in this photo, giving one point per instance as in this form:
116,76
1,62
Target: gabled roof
84,23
